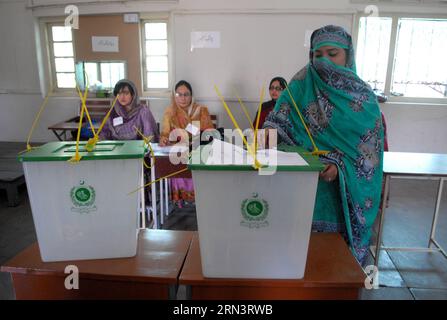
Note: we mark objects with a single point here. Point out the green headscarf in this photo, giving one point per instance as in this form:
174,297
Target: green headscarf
343,116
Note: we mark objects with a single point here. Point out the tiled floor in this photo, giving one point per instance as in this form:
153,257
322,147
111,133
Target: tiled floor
412,275
402,275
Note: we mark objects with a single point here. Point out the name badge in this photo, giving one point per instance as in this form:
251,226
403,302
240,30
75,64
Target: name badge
117,121
192,129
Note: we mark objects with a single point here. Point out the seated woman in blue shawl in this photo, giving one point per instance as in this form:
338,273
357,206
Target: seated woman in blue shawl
342,114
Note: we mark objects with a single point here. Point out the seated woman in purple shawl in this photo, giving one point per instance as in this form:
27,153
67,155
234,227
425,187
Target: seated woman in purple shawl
127,115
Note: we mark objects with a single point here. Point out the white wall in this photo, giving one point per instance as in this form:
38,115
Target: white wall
18,112
18,70
253,49
416,128
410,127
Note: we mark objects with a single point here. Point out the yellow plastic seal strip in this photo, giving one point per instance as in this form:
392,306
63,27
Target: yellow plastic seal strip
36,119
107,115
83,100
256,163
147,141
77,157
91,143
244,109
165,177
257,119
315,151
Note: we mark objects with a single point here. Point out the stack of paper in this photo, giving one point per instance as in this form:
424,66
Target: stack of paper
168,149
222,152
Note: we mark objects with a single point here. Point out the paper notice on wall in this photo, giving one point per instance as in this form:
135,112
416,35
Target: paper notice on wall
105,44
205,39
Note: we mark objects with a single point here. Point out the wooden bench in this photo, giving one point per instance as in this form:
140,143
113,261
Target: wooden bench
11,171
11,180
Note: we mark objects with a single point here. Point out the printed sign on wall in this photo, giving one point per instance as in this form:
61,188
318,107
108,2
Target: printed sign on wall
105,44
205,39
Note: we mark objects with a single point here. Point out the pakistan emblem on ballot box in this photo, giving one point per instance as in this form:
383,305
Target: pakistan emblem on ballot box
83,198
254,212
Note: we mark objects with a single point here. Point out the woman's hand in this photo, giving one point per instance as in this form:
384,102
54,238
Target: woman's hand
329,173
164,141
176,137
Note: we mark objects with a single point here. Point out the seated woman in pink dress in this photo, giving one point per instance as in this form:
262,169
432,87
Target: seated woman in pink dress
182,112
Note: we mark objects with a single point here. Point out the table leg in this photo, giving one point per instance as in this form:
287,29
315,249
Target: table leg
188,292
162,210
142,204
12,194
58,135
432,239
435,215
166,197
435,219
172,292
381,219
154,195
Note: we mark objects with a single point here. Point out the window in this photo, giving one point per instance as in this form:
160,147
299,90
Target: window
62,56
155,59
372,50
403,57
100,75
420,68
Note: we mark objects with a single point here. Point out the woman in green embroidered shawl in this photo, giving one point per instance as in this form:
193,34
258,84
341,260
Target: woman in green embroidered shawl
343,117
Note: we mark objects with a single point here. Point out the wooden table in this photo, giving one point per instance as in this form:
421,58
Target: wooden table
71,125
97,109
151,274
331,273
416,166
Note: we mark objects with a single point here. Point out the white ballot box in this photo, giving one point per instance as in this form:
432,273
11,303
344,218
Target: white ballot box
254,224
84,210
